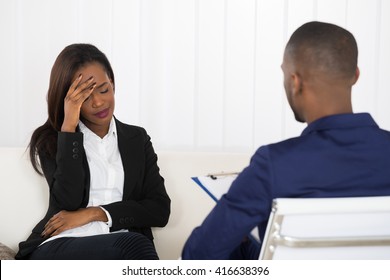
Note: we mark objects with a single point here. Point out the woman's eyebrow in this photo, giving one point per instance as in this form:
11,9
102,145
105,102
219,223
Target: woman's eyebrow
102,85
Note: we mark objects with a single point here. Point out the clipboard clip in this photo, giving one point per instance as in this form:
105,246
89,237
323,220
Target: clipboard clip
215,176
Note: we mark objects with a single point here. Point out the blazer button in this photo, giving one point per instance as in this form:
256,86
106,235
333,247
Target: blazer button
121,221
75,143
127,220
75,150
75,156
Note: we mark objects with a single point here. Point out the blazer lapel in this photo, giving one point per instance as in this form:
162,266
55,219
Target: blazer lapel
131,151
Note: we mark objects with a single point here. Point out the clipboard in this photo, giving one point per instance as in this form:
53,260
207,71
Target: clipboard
216,185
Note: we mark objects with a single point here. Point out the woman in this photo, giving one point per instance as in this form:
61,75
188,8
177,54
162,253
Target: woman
105,188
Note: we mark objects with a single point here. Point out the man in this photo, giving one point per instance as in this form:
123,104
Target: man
339,153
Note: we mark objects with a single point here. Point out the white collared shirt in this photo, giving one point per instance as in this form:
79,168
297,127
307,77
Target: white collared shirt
105,166
106,178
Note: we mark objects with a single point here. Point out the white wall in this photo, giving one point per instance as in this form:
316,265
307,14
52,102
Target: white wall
199,75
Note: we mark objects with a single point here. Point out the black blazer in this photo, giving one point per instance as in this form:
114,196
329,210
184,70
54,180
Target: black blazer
145,202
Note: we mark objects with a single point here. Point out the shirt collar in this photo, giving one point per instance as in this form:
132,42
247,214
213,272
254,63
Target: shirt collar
340,121
88,133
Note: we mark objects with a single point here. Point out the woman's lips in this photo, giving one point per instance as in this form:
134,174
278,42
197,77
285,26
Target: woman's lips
102,114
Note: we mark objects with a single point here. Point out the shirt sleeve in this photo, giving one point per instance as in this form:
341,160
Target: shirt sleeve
109,222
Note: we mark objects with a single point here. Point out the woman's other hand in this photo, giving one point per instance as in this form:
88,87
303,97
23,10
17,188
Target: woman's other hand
65,220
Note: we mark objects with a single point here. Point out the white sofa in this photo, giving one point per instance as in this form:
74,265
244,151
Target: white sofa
24,195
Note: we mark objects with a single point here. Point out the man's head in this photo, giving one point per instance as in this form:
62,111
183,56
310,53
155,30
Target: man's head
320,67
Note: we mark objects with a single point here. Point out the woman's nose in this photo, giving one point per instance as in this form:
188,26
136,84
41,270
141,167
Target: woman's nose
97,100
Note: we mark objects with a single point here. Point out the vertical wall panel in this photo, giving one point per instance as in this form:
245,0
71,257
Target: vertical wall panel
126,59
239,74
60,34
332,11
151,69
9,113
298,13
179,62
210,68
383,95
270,97
95,24
34,65
167,71
365,32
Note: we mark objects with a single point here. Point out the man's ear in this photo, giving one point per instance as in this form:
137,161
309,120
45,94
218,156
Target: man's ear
296,84
357,75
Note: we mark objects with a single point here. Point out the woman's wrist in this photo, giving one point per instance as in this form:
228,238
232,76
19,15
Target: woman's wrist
68,128
97,214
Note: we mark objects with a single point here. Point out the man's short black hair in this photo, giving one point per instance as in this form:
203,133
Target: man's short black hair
324,47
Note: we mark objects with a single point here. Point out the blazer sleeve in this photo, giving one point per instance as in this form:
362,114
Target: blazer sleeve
245,206
148,204
65,174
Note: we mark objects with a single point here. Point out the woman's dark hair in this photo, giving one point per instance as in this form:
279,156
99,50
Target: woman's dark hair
69,61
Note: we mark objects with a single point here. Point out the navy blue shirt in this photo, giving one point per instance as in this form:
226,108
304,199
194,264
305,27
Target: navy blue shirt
344,155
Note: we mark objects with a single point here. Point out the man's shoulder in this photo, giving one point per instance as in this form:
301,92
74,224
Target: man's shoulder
279,149
287,143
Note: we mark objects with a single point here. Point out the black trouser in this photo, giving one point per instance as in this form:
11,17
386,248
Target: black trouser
115,246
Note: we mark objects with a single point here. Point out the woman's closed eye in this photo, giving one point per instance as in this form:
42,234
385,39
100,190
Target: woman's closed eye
104,91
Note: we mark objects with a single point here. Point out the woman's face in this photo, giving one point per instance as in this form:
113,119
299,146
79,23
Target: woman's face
98,108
